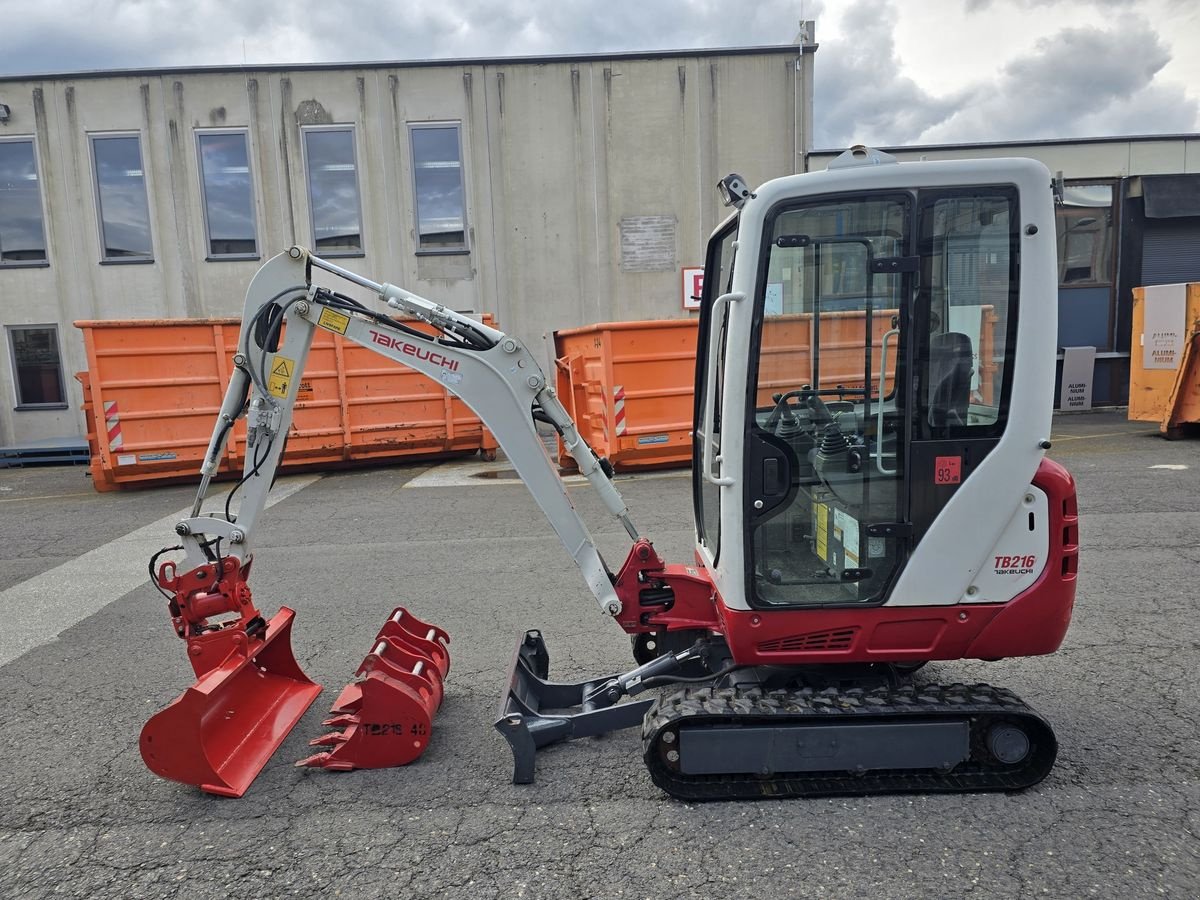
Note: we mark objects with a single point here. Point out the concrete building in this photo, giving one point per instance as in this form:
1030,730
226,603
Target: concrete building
1130,216
551,192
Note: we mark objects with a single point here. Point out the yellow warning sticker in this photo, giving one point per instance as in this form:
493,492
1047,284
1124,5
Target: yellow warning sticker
334,321
821,514
282,370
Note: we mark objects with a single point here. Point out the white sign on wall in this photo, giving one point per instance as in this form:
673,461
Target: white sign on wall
1079,365
693,286
773,299
1163,322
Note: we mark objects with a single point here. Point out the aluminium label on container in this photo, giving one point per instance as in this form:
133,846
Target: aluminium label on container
1163,324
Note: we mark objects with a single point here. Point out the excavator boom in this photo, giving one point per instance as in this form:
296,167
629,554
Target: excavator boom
250,691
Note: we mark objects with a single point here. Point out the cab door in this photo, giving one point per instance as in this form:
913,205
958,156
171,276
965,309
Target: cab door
828,410
879,356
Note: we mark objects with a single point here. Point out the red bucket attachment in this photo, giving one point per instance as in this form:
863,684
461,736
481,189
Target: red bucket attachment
221,731
387,717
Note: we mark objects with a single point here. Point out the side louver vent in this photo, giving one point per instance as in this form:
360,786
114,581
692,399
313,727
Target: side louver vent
839,639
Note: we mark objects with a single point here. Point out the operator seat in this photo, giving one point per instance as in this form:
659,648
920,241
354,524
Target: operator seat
949,379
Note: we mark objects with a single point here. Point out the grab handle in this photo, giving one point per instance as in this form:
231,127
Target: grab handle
710,401
883,348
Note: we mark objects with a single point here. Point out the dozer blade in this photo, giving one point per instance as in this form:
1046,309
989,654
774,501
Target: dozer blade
535,712
219,733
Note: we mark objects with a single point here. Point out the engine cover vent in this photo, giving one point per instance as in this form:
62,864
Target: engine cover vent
835,639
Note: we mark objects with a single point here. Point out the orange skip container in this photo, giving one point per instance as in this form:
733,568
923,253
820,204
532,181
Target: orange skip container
154,386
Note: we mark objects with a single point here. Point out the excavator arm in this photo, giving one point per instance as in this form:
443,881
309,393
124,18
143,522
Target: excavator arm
249,691
493,373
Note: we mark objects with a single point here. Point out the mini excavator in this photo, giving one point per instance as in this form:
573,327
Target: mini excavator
874,390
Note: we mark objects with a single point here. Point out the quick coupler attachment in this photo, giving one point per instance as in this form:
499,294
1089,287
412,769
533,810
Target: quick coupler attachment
535,712
386,716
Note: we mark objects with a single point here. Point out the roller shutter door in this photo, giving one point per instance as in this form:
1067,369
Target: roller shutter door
1171,251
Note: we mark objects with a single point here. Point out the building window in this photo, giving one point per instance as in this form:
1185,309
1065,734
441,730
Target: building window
121,198
1085,235
228,194
335,212
438,188
37,366
22,234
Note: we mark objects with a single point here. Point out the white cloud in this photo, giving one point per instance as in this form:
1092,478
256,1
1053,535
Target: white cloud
58,36
1079,81
1067,67
1086,78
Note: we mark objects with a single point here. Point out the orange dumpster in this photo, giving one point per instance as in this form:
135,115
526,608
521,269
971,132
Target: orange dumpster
1164,364
154,386
786,355
629,386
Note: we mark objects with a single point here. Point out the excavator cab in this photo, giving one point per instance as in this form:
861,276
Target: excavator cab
862,410
873,400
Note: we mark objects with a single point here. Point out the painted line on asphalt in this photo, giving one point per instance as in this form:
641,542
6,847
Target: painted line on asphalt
48,497
1090,437
462,474
39,609
469,474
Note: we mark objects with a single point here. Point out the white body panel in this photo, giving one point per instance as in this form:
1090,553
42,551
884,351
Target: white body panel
1019,556
952,554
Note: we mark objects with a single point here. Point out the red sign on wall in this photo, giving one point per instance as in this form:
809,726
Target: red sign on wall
693,285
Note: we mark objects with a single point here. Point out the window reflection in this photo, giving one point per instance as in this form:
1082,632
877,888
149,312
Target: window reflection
967,249
333,190
22,235
228,194
37,366
438,185
121,193
1085,235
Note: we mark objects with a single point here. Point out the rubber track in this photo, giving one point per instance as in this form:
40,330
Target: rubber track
981,704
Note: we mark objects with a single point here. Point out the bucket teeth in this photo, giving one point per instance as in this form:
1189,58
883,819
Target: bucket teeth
323,761
387,714
333,739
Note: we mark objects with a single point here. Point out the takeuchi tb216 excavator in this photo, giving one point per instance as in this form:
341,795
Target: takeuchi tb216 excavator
874,381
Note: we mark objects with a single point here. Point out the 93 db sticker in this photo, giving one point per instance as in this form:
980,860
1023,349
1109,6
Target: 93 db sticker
947,469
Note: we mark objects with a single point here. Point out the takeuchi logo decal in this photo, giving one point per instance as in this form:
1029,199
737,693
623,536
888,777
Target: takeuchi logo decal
408,349
1015,565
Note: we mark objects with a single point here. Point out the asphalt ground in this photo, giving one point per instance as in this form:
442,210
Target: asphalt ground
80,816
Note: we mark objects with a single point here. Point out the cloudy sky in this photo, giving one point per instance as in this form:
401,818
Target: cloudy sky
888,71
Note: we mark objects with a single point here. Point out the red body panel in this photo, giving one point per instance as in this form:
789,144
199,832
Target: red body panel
1030,624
